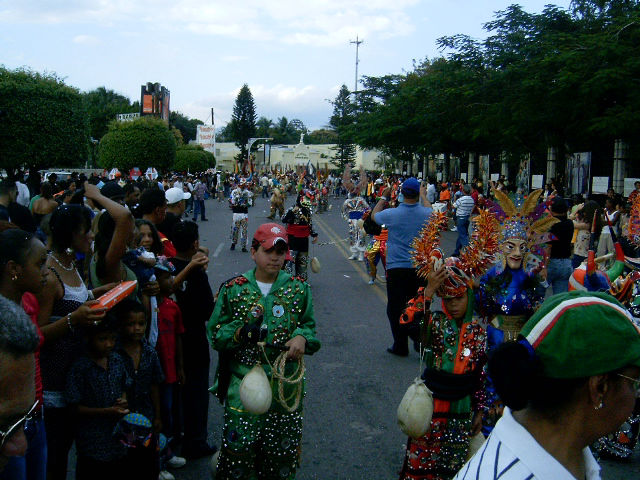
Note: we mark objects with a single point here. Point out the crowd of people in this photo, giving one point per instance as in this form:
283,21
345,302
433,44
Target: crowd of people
510,354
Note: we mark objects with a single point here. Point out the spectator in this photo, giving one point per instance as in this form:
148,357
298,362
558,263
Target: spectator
559,268
583,224
8,193
131,195
431,190
464,207
153,207
18,340
199,191
45,204
23,196
403,223
611,217
176,206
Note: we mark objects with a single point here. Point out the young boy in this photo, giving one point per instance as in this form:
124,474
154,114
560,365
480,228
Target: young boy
96,385
195,300
143,367
268,445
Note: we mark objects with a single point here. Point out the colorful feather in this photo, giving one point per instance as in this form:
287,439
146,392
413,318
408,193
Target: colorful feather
505,203
478,256
531,202
427,242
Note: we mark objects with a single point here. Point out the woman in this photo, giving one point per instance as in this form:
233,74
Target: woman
454,341
65,308
23,274
569,380
583,223
45,204
299,228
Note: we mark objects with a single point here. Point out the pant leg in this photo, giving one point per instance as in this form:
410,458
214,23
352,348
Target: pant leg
195,394
244,225
240,435
204,216
235,229
60,427
280,454
196,209
353,236
372,256
402,285
462,226
166,408
302,259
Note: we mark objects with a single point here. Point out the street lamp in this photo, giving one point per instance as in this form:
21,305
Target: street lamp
250,143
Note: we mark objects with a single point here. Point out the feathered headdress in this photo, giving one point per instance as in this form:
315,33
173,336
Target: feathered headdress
473,261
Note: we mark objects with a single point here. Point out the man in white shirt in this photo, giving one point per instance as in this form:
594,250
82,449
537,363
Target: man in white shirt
23,191
464,206
431,190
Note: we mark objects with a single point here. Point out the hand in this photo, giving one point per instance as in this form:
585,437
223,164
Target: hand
249,333
476,424
296,347
91,191
85,315
386,192
122,403
199,260
315,240
116,411
434,280
151,289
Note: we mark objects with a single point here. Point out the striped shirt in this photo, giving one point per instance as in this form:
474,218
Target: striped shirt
511,453
464,206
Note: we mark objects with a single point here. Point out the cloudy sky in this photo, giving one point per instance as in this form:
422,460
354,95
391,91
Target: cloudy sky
293,54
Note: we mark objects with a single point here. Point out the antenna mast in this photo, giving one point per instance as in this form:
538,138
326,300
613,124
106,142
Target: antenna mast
357,42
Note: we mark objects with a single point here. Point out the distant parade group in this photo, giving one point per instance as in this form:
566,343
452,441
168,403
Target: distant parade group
528,333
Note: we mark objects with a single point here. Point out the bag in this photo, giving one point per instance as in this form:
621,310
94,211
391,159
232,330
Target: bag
315,265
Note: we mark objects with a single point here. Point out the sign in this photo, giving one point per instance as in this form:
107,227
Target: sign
522,178
495,177
628,185
151,173
578,172
127,117
537,181
600,185
463,176
206,137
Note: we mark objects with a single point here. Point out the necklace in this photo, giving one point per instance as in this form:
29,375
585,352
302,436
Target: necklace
68,269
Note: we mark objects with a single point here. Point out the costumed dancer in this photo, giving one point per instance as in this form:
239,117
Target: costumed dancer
277,203
353,210
454,342
377,249
240,201
299,228
323,197
257,316
511,291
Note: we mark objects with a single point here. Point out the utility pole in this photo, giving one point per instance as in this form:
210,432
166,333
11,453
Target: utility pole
357,42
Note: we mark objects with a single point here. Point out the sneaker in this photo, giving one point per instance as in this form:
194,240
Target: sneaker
164,475
176,462
194,219
205,220
244,249
233,246
454,229
371,282
353,256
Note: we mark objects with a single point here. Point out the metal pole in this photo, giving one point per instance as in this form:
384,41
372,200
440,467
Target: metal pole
357,42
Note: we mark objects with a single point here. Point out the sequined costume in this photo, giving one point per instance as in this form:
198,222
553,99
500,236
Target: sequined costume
277,204
239,202
377,251
452,351
259,446
352,210
299,228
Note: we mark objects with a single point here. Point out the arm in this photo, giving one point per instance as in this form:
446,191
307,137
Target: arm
199,260
123,228
424,201
384,199
114,411
222,326
306,325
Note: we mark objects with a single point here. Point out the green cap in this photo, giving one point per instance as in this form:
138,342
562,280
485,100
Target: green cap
579,334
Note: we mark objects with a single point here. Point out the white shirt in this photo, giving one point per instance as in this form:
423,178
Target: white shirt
23,194
431,193
265,288
511,453
464,206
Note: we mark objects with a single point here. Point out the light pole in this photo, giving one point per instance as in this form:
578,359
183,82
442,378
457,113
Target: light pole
250,143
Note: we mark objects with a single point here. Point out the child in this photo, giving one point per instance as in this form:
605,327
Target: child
143,367
195,300
268,445
96,386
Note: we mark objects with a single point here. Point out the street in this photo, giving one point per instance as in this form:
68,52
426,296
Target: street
353,385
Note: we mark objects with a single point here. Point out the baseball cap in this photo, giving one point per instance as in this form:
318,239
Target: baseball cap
268,234
580,334
411,186
174,195
112,190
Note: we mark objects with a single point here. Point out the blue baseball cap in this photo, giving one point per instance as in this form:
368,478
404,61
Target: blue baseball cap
411,186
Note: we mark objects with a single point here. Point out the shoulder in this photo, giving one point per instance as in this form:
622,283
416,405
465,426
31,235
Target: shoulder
238,280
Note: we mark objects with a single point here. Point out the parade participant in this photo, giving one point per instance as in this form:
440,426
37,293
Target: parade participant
264,299
377,251
299,228
453,341
570,379
511,291
353,209
240,201
404,224
323,197
277,203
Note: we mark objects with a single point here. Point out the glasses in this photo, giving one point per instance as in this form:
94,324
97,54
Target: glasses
635,381
13,429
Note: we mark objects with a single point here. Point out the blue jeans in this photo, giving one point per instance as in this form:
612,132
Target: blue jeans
33,465
559,271
198,207
462,224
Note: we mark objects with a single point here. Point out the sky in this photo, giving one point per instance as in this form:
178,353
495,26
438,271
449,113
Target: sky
293,54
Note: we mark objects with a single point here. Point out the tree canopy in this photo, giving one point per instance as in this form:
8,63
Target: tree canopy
145,142
42,121
342,122
188,126
193,158
102,106
243,120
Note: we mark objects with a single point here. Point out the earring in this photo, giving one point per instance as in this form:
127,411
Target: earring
69,251
598,407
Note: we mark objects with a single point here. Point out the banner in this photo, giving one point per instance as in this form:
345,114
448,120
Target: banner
522,179
205,137
578,173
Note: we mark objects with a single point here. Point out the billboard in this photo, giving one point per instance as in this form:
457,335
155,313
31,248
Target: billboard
154,100
578,172
205,137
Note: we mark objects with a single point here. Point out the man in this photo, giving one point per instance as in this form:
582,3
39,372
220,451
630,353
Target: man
18,341
635,192
404,224
153,207
240,201
8,194
464,206
131,195
176,205
199,190
431,190
264,182
23,191
559,268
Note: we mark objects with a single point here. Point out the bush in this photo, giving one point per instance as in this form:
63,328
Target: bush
193,158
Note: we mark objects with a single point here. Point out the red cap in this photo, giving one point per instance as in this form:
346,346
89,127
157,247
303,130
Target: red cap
268,234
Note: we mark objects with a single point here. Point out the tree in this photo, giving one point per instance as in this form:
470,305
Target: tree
342,122
145,142
264,127
102,107
42,121
193,158
243,121
322,136
188,126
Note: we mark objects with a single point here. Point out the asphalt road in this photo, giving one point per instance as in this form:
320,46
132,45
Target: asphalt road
353,385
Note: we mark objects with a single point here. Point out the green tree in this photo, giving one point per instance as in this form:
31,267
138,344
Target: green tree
146,142
342,122
243,121
321,136
264,127
102,106
42,121
193,158
188,126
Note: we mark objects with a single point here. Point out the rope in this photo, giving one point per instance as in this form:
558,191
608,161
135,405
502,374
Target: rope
321,244
278,374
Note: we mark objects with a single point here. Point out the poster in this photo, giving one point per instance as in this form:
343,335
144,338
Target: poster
522,178
629,186
484,173
537,181
600,185
578,173
495,177
456,169
463,176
